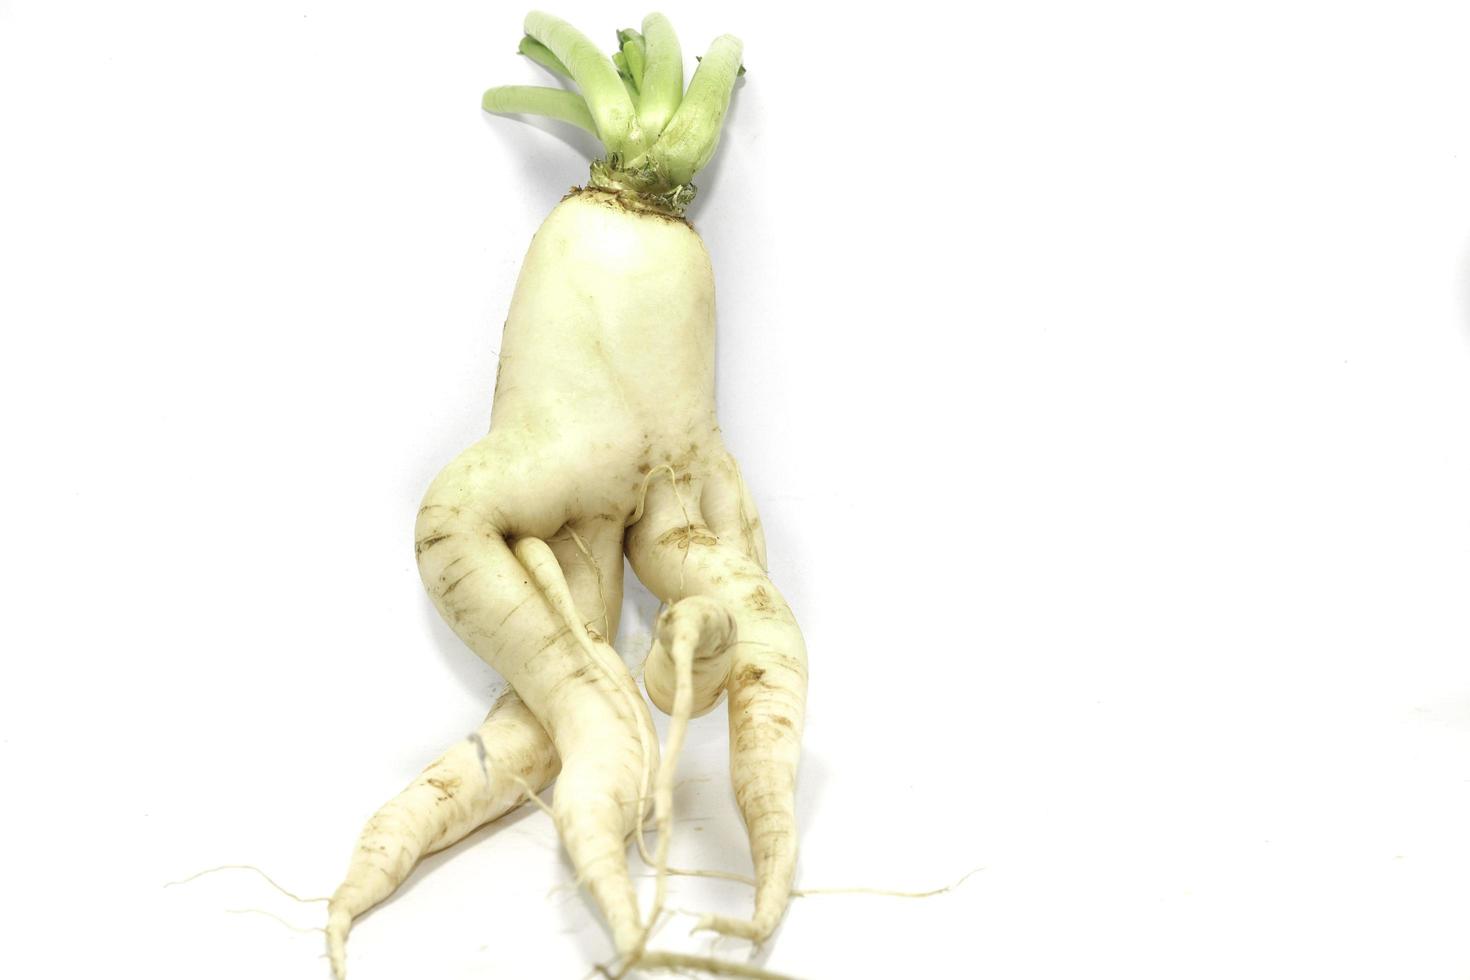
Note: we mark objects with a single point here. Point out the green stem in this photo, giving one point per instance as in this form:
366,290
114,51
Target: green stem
541,54
655,134
607,99
662,87
629,82
690,138
630,43
537,100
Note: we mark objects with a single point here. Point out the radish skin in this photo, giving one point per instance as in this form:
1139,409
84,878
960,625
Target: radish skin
691,650
600,733
604,440
767,674
476,781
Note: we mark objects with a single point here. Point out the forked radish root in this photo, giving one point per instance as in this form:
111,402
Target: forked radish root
604,441
475,782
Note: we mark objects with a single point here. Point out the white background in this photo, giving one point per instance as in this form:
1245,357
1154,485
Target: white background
1102,372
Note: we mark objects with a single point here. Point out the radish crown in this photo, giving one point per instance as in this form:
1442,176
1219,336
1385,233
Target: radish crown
657,135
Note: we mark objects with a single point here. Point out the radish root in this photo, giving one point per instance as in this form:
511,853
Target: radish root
692,631
245,867
476,781
605,441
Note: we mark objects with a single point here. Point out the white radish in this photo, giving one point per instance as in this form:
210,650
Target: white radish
604,437
476,781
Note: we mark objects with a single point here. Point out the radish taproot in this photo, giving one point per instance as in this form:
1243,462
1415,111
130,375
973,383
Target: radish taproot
476,781
604,441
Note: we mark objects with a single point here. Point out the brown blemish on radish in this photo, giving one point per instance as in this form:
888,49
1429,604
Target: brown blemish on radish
689,534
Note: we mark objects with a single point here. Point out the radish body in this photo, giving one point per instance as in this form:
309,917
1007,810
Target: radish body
604,439
604,417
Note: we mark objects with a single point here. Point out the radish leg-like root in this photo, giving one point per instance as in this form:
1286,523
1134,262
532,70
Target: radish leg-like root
546,571
691,646
691,662
475,782
512,609
677,556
